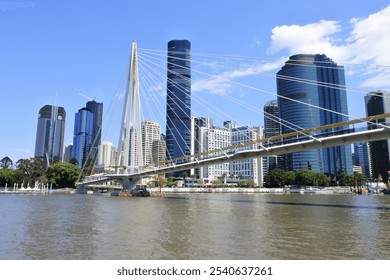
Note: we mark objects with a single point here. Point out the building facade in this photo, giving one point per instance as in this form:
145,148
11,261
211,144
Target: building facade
378,102
106,155
68,152
96,109
49,143
151,132
178,118
311,93
361,157
83,136
272,127
214,138
250,169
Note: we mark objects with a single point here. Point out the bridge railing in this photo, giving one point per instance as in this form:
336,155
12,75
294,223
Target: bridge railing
294,136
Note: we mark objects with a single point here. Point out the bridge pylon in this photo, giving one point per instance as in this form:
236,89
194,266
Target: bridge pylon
130,139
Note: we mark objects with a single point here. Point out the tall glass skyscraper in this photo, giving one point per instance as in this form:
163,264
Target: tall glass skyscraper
315,80
378,102
49,143
178,128
83,136
97,110
272,127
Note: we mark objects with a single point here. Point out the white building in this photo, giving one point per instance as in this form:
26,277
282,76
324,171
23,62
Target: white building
209,137
250,169
214,138
106,155
151,132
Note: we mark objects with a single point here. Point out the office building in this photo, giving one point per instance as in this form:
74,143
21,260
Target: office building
305,84
49,143
361,157
96,109
272,127
378,102
68,153
178,118
83,136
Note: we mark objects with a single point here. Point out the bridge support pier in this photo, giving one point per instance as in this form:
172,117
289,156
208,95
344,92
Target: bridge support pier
129,184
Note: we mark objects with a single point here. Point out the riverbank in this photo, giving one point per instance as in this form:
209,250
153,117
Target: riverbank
308,190
286,190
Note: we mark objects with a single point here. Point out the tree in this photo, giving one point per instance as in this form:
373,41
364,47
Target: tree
73,161
7,176
322,180
359,178
63,174
345,180
6,163
289,178
306,177
275,179
29,170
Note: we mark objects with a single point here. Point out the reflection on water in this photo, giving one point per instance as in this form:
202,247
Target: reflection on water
195,226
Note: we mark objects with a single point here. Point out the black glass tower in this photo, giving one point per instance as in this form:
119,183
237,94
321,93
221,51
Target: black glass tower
178,126
377,102
96,109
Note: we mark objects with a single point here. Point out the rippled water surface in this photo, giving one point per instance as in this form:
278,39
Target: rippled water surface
195,226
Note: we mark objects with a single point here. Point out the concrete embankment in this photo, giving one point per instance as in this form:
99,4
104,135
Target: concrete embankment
335,190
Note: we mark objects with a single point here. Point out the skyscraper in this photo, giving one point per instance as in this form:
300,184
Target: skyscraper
83,133
362,158
106,155
68,152
96,109
178,121
378,102
272,127
151,132
318,81
49,142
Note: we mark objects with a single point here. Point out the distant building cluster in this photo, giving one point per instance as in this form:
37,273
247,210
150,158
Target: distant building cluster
304,79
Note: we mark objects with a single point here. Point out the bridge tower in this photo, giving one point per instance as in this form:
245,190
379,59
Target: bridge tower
130,140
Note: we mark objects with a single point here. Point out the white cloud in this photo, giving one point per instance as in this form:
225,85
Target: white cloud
219,84
366,43
306,39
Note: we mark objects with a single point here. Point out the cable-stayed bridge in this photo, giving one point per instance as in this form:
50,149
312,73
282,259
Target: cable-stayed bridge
130,142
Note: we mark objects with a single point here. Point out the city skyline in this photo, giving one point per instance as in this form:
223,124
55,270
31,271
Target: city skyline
85,58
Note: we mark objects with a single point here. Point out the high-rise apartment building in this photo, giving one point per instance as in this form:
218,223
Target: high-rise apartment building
305,84
49,142
250,169
159,151
378,102
178,119
83,136
96,109
213,138
106,155
151,132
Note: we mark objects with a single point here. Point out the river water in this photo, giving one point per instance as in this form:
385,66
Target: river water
194,226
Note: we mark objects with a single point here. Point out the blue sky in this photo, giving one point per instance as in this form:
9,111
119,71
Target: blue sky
54,52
